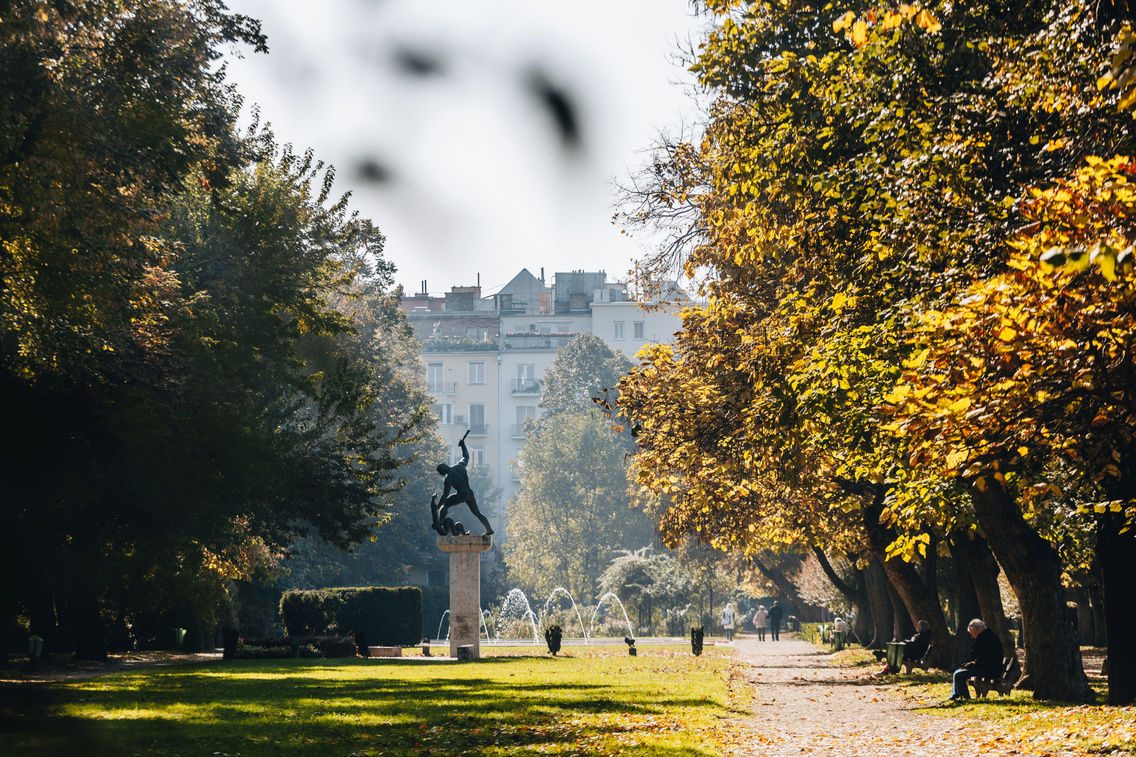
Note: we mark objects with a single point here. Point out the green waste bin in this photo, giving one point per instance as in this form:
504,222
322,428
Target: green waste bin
177,637
895,656
838,640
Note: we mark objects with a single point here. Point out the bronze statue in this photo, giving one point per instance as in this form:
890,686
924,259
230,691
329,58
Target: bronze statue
457,479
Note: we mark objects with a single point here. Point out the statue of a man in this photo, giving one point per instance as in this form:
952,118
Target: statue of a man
457,479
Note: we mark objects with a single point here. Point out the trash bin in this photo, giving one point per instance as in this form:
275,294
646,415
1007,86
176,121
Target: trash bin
177,638
895,656
838,640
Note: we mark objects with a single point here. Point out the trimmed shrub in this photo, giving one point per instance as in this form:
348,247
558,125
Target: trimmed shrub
814,632
248,652
435,602
552,636
325,646
388,617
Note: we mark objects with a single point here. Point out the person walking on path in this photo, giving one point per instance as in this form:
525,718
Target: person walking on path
761,621
775,614
985,660
728,621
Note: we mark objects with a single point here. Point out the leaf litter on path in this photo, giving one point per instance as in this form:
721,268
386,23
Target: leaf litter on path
794,699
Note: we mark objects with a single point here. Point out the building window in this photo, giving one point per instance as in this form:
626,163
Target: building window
638,329
475,373
525,413
526,382
617,331
476,455
436,378
446,413
476,423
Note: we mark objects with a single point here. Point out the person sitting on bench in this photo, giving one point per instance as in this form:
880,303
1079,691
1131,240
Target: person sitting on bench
915,647
985,660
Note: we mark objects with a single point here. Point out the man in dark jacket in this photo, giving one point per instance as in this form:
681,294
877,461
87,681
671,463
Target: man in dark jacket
775,614
985,660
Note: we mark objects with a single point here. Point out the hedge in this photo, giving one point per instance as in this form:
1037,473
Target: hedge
435,603
386,617
324,646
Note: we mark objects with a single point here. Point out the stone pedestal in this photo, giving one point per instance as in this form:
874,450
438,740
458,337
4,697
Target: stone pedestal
465,590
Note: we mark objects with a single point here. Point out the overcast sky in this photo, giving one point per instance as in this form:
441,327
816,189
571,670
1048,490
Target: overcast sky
481,136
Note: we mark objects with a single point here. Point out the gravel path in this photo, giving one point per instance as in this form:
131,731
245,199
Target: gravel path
803,704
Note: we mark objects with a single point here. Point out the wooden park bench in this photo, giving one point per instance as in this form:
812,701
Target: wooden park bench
1002,684
921,663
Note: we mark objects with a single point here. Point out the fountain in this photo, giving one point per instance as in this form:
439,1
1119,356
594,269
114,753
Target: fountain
512,606
592,623
559,590
516,607
484,625
440,622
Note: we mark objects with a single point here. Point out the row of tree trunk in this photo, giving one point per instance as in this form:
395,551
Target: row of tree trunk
890,594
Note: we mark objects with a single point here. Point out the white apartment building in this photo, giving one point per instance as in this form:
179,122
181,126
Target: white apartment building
486,357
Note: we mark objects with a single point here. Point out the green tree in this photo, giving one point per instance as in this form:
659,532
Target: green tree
582,371
572,510
108,107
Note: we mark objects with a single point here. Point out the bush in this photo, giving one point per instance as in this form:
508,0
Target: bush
331,646
249,652
552,636
435,602
388,617
324,646
814,632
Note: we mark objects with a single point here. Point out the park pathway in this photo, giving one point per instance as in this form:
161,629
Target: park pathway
803,704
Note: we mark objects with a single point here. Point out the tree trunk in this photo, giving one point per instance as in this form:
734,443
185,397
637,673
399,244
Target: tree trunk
984,572
876,584
968,607
806,612
904,577
1053,659
901,625
1116,554
86,619
857,594
1085,632
1100,635
863,624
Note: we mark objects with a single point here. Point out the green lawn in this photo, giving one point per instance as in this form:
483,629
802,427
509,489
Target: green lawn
589,701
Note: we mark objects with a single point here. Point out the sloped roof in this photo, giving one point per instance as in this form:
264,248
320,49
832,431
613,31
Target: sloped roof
523,283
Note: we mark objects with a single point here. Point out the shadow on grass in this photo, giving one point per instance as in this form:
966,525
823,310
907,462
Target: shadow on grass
276,709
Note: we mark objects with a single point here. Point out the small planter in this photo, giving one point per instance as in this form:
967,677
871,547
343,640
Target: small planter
696,634
552,636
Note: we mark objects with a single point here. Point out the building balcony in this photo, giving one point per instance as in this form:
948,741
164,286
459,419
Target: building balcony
537,342
518,431
525,386
482,430
458,344
441,388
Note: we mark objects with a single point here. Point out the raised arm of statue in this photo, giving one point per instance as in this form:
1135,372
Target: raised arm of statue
464,449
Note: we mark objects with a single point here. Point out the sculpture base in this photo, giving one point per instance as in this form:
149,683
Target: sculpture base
465,592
